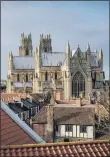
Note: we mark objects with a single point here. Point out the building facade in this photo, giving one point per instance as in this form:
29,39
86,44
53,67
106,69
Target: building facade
70,73
67,123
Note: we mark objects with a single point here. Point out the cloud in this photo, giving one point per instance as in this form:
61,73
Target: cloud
65,22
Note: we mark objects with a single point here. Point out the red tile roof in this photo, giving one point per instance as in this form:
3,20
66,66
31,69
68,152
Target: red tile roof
12,133
13,130
8,97
71,149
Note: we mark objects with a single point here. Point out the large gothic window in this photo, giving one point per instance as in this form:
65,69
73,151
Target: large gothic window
78,84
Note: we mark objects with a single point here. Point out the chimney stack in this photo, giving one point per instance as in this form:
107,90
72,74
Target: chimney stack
50,120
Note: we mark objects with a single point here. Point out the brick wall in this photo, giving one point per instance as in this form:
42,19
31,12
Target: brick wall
41,130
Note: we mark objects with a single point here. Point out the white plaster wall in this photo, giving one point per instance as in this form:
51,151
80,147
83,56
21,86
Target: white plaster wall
90,131
78,131
85,135
69,134
81,135
62,130
74,130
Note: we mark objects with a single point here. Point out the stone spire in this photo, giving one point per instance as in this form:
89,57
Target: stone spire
100,53
38,57
68,55
36,49
101,58
88,48
67,71
68,48
10,61
39,49
88,66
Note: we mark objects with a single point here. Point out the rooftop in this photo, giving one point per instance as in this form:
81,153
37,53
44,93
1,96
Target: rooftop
67,115
14,130
10,97
72,149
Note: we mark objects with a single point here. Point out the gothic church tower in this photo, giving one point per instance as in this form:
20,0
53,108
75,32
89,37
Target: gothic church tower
45,43
25,48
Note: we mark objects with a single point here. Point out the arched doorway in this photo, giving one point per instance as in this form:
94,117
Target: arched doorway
78,85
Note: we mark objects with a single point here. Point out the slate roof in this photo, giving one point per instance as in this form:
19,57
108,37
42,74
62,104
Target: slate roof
68,115
16,107
67,149
48,59
24,62
28,103
37,96
14,130
53,58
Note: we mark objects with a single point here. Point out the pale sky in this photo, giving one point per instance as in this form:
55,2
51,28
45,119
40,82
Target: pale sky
78,22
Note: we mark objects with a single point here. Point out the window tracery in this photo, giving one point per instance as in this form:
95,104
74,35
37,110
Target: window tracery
78,84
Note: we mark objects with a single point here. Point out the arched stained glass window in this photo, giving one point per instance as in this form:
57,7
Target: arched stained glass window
78,84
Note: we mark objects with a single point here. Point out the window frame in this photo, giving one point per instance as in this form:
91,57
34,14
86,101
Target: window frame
68,128
83,129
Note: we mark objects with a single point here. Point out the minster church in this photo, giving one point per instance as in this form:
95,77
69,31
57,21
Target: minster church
69,74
